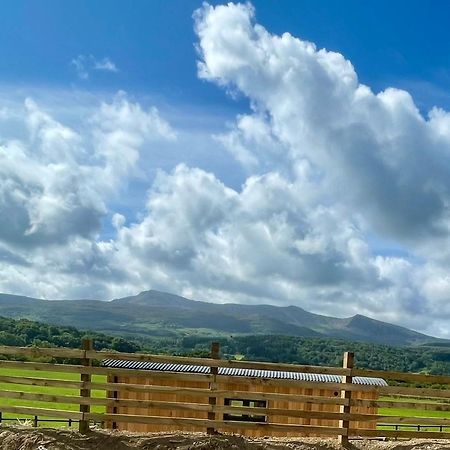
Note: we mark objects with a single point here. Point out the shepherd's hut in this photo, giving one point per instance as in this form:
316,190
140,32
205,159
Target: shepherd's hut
247,384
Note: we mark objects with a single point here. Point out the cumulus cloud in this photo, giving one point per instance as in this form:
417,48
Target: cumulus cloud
309,103
211,240
332,168
56,183
84,64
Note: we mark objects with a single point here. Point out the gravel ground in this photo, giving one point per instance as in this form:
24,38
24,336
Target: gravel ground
26,438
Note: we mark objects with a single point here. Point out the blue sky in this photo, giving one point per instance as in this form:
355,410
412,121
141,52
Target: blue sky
400,43
285,152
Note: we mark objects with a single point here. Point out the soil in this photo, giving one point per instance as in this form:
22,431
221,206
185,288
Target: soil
26,438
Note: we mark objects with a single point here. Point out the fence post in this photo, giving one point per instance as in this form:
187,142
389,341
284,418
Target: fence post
349,358
35,422
83,424
215,350
115,395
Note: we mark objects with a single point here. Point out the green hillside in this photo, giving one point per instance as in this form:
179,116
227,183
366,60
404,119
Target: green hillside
275,348
154,313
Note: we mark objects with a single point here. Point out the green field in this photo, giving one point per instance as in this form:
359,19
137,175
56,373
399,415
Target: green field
102,394
414,413
45,390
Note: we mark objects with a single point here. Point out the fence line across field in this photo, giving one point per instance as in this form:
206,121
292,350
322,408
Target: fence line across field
209,362
231,415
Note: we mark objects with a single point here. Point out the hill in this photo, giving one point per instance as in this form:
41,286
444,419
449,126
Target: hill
25,333
286,349
154,313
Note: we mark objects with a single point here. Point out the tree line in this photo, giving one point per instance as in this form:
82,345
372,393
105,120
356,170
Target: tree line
24,333
274,348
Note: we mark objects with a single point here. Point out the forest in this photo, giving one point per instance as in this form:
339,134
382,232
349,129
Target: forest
275,348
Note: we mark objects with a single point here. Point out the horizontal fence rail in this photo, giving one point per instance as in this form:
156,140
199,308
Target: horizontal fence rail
209,362
122,397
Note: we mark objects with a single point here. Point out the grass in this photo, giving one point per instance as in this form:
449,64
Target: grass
45,390
405,412
101,394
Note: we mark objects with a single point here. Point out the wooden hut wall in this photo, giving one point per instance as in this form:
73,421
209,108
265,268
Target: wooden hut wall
235,386
166,397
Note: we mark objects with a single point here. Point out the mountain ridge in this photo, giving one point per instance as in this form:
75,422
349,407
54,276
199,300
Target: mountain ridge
156,313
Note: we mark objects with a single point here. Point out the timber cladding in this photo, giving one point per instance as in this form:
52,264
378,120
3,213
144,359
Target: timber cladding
162,392
295,403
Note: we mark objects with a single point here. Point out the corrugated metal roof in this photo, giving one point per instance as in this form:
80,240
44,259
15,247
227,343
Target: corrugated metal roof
254,373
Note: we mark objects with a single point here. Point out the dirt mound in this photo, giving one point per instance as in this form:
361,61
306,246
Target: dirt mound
24,438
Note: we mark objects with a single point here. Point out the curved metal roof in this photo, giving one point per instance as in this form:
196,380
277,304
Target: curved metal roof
229,371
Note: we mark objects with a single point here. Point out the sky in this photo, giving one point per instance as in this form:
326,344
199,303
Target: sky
282,152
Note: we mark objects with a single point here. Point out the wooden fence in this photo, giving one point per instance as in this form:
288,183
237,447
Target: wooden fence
92,395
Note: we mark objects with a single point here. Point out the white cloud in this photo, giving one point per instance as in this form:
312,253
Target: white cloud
56,183
84,64
309,104
105,64
331,167
260,244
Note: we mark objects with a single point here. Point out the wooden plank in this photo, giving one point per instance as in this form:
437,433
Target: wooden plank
180,406
400,405
44,382
410,420
145,404
157,404
114,394
213,423
256,381
100,355
68,399
321,415
355,432
345,394
155,375
32,411
65,399
402,376
212,399
203,377
294,398
413,392
25,365
199,392
72,368
195,407
68,368
83,425
36,352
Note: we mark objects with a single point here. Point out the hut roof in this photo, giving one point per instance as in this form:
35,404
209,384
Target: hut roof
228,371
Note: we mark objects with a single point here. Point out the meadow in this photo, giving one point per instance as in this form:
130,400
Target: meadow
413,413
45,390
102,394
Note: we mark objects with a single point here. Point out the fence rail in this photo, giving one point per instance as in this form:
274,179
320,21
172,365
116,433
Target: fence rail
209,362
203,400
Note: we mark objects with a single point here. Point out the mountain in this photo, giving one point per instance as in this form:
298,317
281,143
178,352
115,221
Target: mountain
159,314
